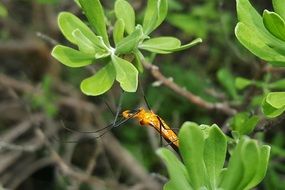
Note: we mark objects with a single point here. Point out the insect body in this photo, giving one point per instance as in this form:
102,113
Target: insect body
145,118
151,119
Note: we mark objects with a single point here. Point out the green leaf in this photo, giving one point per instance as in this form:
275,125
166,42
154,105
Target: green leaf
241,83
261,167
280,85
274,24
279,7
215,154
179,178
68,23
243,123
192,144
249,125
95,15
71,57
226,78
155,13
125,12
160,43
276,99
84,44
248,14
118,32
255,43
77,3
250,159
189,45
165,45
99,83
129,43
3,10
126,74
138,61
252,33
271,111
234,173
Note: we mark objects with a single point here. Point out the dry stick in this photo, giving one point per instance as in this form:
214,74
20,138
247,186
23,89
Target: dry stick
66,169
222,107
120,154
28,171
111,144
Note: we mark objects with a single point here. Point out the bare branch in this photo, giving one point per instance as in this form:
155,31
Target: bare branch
222,107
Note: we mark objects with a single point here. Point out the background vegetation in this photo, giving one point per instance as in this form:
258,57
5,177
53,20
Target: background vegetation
39,97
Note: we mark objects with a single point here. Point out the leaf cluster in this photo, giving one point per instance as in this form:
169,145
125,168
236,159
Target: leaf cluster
203,149
129,40
264,36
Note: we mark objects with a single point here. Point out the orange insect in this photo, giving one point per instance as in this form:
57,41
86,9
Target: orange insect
148,118
151,119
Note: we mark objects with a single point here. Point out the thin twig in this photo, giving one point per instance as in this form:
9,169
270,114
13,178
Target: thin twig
222,107
65,168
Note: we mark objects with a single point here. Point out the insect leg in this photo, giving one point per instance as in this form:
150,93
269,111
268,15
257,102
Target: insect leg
119,108
160,129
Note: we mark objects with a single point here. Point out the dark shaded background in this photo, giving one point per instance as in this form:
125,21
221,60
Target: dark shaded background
39,97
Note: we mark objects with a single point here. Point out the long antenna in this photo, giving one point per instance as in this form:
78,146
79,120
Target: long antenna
144,97
90,132
108,106
119,107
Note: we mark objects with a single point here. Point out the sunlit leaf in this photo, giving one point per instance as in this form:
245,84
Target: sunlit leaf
68,23
241,83
255,43
274,23
215,154
279,7
179,178
129,43
166,45
271,111
160,43
95,14
234,173
155,13
125,12
252,33
71,57
192,144
118,32
250,157
126,74
261,167
84,44
99,83
276,99
138,60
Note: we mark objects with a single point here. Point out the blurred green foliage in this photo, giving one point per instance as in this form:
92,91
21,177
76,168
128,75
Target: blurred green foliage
203,149
218,70
3,10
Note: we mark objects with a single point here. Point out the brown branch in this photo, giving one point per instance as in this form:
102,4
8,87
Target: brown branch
222,107
65,168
